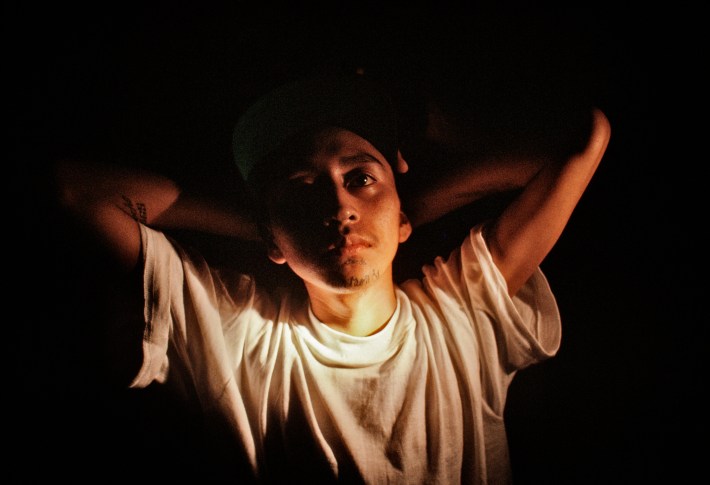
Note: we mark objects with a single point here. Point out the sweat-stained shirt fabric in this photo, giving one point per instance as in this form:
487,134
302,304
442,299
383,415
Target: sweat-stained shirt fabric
421,401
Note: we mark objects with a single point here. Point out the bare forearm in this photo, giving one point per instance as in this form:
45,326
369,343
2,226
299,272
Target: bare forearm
209,216
109,200
530,226
143,195
466,185
149,198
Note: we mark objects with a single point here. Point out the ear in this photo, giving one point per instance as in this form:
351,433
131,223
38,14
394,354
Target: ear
275,254
402,166
405,227
272,250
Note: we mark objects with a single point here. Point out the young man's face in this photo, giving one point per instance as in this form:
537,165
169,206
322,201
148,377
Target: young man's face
335,216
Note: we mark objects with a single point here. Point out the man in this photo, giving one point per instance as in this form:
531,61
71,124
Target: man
347,376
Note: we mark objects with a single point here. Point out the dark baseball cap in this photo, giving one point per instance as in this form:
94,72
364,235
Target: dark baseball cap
352,102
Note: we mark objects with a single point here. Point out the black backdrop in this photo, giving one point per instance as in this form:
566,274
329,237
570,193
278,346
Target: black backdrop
161,85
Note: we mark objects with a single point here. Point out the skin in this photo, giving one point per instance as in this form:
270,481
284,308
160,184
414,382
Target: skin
336,220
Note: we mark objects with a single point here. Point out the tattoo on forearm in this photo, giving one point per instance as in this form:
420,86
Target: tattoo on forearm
137,211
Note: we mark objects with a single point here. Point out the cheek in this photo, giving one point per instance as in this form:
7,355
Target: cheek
295,223
284,240
293,214
298,250
385,211
389,226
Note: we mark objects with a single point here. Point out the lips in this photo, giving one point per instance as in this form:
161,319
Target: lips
349,244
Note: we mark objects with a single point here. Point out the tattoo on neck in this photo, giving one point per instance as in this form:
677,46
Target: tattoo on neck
137,211
354,282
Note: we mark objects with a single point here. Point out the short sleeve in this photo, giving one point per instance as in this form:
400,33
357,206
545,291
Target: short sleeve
162,270
469,288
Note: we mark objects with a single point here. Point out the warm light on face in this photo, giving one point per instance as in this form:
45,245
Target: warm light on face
336,217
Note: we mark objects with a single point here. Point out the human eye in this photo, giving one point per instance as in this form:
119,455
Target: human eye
300,179
359,179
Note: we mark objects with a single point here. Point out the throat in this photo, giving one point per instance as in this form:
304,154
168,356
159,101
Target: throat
359,315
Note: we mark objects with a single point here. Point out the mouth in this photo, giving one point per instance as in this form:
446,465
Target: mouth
348,245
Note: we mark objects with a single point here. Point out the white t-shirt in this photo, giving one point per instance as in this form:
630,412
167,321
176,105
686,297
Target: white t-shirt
421,401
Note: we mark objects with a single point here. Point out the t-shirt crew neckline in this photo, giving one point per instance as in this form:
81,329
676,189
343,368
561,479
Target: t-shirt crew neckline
352,350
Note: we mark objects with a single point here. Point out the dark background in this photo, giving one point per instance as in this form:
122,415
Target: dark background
161,84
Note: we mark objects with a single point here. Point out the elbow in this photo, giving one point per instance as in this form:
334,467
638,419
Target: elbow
66,189
75,189
601,120
601,130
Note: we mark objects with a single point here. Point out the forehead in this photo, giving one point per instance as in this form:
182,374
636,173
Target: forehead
328,147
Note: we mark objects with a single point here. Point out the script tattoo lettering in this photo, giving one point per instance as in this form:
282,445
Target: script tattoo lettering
137,211
354,282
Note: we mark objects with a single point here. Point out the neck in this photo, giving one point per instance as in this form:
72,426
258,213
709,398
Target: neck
359,313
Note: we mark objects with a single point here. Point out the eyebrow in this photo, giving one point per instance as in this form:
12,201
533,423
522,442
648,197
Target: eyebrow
358,158
348,161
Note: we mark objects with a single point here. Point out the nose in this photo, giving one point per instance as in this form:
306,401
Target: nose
345,211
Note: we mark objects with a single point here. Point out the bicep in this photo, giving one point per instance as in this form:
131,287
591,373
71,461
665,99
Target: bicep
118,232
110,201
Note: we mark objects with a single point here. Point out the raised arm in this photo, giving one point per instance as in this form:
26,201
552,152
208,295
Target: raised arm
459,188
527,229
111,200
525,232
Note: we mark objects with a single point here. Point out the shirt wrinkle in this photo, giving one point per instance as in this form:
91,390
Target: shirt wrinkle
421,401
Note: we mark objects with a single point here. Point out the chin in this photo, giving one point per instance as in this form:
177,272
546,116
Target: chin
356,279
